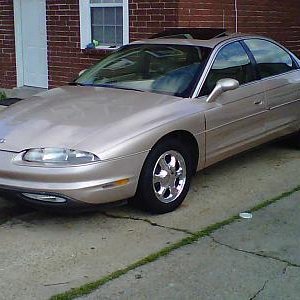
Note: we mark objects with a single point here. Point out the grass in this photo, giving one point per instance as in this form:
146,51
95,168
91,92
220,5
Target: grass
90,287
2,95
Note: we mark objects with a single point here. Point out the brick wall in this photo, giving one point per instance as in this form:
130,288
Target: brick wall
65,58
149,17
275,18
64,54
7,45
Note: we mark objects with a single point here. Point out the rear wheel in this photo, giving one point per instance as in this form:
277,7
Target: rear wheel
165,177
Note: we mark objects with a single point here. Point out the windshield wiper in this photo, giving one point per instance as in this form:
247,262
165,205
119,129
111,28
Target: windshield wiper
117,87
127,88
74,83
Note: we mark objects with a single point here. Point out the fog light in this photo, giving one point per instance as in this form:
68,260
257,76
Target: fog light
45,198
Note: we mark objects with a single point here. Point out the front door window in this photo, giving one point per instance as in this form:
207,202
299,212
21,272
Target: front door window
233,62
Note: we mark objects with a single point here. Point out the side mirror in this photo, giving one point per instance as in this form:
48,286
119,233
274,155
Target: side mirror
222,86
81,72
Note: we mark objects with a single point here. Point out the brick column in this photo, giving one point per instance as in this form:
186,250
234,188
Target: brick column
8,77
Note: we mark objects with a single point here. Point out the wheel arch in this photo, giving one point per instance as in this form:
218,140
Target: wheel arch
186,138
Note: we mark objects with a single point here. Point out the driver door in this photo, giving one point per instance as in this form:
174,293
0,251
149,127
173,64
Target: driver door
238,119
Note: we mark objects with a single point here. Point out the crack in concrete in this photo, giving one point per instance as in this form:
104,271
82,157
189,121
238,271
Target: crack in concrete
147,221
289,264
283,272
58,283
259,291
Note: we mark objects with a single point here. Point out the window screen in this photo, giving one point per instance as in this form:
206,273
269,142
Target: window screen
107,22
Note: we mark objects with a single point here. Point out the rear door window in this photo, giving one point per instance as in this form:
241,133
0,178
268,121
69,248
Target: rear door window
271,59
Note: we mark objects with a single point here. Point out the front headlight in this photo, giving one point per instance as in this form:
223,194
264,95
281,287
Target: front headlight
59,156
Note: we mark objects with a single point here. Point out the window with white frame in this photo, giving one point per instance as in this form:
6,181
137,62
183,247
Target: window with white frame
104,21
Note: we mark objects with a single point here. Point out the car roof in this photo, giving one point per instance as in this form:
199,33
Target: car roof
209,43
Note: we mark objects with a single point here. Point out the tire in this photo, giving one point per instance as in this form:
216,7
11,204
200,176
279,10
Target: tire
297,140
294,140
165,178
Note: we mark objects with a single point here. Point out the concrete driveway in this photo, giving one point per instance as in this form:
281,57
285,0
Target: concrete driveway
43,254
249,259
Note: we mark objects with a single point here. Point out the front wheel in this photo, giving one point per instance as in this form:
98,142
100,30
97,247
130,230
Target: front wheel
298,139
294,140
165,177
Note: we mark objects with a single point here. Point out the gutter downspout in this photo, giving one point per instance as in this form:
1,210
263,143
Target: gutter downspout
236,16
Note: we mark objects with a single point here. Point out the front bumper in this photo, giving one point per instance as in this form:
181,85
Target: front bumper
85,184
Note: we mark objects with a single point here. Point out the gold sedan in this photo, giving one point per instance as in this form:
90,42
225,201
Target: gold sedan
140,122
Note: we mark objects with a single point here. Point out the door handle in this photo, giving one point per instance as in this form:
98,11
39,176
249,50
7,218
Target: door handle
258,102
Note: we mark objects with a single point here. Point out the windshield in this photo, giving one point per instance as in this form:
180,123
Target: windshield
165,69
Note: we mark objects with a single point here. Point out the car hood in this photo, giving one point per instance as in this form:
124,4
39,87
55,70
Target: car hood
68,117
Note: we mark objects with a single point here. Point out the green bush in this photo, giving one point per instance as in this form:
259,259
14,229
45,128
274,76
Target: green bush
2,95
